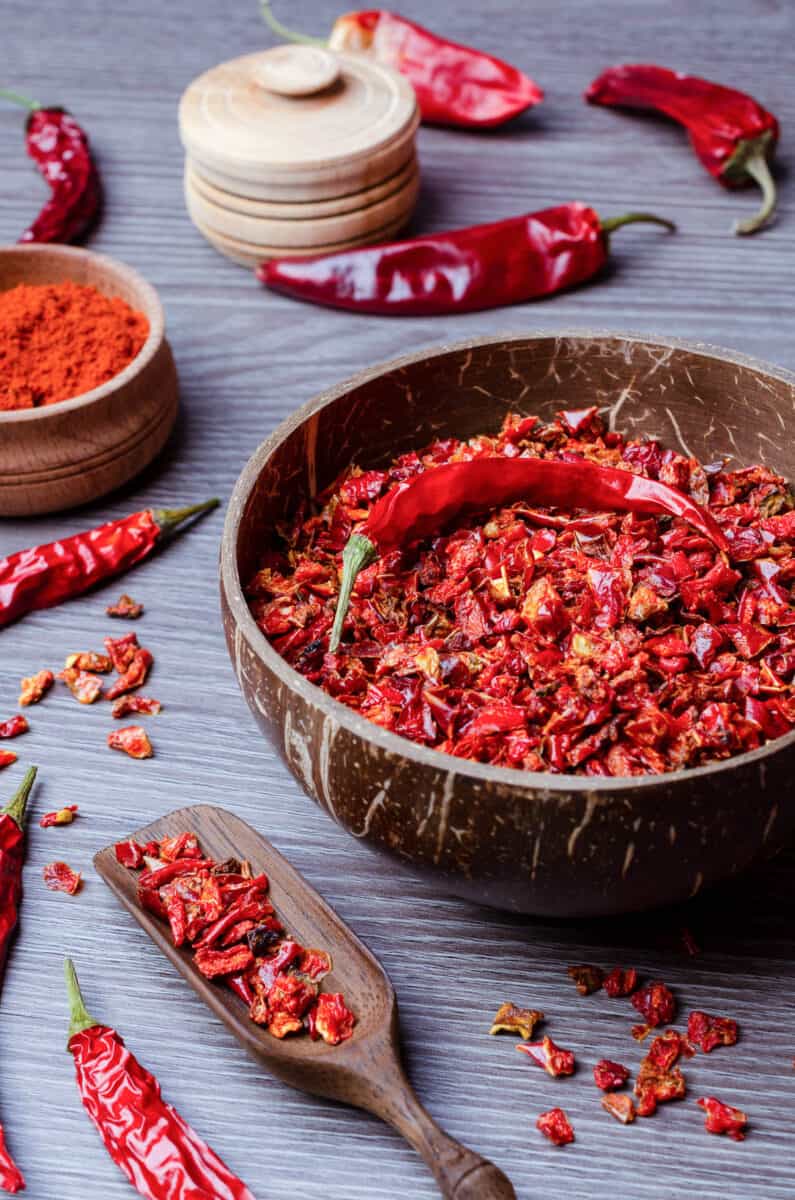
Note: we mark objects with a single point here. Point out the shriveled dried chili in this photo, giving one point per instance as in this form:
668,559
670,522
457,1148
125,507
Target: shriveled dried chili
154,1146
46,575
12,857
454,84
11,1178
464,270
732,134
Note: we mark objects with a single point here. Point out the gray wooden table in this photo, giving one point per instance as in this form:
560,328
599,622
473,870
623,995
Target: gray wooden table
245,360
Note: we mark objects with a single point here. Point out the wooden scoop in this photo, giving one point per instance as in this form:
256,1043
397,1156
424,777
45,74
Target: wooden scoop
366,1070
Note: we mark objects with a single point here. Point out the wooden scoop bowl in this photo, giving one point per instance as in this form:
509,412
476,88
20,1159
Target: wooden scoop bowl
365,1071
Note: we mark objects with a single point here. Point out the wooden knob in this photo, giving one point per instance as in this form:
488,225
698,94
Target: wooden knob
297,70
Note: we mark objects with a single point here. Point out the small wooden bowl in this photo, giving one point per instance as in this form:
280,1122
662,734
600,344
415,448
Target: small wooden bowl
62,455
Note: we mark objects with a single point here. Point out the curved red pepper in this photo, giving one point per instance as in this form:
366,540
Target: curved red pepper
484,266
423,504
731,133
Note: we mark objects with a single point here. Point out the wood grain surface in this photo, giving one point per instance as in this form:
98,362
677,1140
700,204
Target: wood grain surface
245,359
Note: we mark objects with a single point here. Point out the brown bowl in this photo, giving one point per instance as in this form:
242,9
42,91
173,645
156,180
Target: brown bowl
537,843
61,455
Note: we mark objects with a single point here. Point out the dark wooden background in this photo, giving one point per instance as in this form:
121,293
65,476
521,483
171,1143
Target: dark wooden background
245,360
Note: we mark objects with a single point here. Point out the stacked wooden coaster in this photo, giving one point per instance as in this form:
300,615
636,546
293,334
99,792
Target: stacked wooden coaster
296,151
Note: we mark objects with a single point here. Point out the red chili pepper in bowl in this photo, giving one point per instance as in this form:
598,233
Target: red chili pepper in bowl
465,270
455,85
163,1158
45,575
732,134
60,149
424,503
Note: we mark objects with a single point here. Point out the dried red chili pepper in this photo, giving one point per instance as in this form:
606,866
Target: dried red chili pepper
129,854
45,575
11,1178
134,676
707,1031
667,1048
722,1118
184,845
122,650
609,1075
87,660
132,740
510,1019
733,136
655,1003
135,704
149,1141
423,504
621,1107
552,1058
587,978
331,1019
12,857
34,686
14,726
60,149
126,608
454,84
554,1125
463,270
84,686
7,757
59,877
62,816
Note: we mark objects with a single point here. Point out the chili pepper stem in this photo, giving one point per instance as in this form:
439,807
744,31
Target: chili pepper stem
756,165
358,553
17,98
291,35
79,1016
169,519
16,807
611,223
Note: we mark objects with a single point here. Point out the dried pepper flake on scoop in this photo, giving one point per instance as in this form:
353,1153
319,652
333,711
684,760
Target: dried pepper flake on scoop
132,740
510,1019
554,1125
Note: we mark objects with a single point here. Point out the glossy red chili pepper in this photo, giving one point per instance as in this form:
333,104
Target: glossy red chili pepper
11,1178
465,270
454,84
733,136
14,726
45,575
163,1158
426,502
60,149
12,854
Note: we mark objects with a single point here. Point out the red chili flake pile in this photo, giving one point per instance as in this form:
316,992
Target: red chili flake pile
510,1019
708,1032
590,643
7,757
549,1056
609,1075
722,1118
132,740
621,1107
59,877
587,979
63,816
34,687
222,911
555,1126
14,726
126,608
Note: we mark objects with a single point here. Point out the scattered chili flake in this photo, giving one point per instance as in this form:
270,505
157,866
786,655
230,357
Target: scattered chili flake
708,1031
609,1075
656,1003
121,650
14,726
59,877
510,1019
63,816
84,686
7,757
35,686
587,979
667,1048
88,660
132,740
184,845
135,704
129,854
621,1107
640,1032
554,1125
655,1086
722,1118
552,1058
621,983
125,607
135,674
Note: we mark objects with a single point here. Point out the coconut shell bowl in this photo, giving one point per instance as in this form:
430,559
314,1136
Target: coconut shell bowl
537,843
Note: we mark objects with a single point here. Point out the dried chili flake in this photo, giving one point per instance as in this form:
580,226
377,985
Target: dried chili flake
609,1075
184,845
59,877
289,998
125,607
7,757
63,816
315,963
510,1019
655,1086
707,1031
331,1019
552,1058
722,1118
14,726
121,651
135,704
640,1032
129,854
554,1125
84,686
621,983
212,963
621,1107
587,979
34,687
132,740
88,660
667,1048
655,1003
135,674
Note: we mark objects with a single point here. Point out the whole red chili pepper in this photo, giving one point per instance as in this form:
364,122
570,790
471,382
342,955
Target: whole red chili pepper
455,85
423,504
11,1178
485,266
45,575
733,136
60,149
163,1158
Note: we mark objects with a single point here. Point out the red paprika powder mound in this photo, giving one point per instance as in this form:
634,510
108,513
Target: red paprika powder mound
60,340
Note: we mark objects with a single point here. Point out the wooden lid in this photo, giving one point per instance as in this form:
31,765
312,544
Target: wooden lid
283,114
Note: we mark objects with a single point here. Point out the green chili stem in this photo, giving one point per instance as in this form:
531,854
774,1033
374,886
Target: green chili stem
757,167
17,806
290,35
358,553
612,223
79,1016
169,519
17,98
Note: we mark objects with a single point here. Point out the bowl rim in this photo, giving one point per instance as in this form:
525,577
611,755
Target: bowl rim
514,778
147,300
